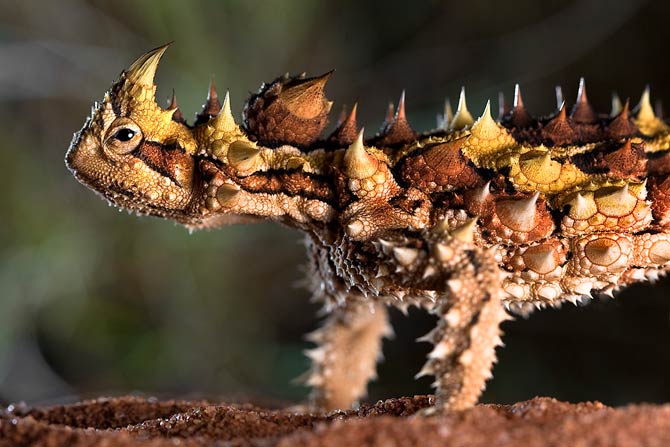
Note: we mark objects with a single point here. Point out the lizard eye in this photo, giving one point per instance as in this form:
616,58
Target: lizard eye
123,137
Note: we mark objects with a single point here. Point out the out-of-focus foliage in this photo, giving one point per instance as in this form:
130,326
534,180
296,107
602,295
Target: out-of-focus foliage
97,302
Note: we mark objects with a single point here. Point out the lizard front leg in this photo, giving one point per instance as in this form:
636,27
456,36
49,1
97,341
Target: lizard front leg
348,346
467,333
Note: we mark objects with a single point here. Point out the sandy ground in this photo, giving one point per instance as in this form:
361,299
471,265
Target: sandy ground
131,421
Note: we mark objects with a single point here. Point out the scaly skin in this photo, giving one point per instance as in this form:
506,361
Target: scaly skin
463,220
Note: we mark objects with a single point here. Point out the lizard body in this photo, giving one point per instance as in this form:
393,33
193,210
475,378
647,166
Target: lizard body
465,220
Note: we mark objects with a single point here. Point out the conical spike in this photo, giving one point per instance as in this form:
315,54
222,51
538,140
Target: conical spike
616,105
400,111
645,112
559,130
532,200
347,129
314,380
486,114
405,256
581,208
143,70
545,161
582,112
225,108
315,354
466,232
603,251
484,192
430,337
559,97
523,210
390,113
448,112
212,105
580,203
358,164
172,102
176,114
444,119
539,165
228,195
502,106
541,259
624,109
518,99
621,126
463,117
485,128
305,98
397,131
620,195
562,114
442,227
518,117
224,120
440,351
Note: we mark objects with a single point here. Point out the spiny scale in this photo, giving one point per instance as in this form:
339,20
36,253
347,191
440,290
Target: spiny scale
466,220
212,105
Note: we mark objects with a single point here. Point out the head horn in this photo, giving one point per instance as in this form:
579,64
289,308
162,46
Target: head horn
143,70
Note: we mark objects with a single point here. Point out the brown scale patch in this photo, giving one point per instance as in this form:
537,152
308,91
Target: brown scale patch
517,117
515,218
558,131
658,163
582,112
292,183
346,131
659,195
623,161
621,125
342,191
167,160
581,126
438,168
407,203
395,131
601,253
562,130
588,132
627,161
288,111
540,260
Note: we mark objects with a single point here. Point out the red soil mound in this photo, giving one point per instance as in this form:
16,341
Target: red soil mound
130,421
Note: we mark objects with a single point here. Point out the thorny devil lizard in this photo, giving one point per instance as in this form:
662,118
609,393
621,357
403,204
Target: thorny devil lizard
466,220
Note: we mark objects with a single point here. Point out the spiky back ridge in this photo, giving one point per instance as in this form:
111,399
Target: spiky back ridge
573,202
576,201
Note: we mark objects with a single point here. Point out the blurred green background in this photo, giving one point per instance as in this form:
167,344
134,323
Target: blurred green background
97,302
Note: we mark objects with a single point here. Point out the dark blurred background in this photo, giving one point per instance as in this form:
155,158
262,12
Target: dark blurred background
97,302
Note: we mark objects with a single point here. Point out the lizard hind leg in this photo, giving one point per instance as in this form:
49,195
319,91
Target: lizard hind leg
348,347
467,332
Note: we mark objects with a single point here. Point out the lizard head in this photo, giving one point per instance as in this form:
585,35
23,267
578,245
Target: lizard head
132,151
147,159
